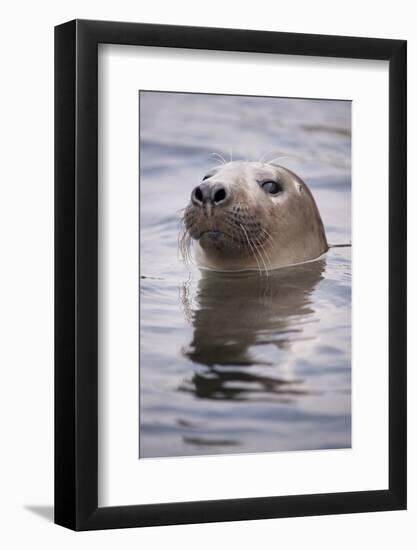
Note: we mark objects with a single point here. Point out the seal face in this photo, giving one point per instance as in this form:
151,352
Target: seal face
252,215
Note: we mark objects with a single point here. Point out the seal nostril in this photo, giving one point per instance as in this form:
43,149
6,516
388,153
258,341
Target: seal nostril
219,195
208,194
197,195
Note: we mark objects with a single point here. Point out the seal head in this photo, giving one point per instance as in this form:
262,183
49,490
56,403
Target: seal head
252,215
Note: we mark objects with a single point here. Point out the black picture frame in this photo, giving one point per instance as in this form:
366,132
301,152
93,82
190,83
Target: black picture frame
76,272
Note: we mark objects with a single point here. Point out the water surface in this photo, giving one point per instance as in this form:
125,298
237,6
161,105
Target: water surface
233,363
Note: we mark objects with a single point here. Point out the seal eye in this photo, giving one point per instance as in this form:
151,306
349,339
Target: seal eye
271,187
206,177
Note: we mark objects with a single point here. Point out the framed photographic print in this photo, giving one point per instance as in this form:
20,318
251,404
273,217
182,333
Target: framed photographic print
230,337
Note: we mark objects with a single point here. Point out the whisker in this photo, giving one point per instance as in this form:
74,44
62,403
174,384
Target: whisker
218,161
184,243
264,252
290,157
220,158
263,157
269,236
261,256
251,247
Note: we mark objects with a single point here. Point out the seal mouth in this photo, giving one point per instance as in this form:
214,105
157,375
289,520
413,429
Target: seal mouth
232,233
215,239
215,234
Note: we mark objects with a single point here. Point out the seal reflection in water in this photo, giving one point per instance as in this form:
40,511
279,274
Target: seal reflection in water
252,215
233,316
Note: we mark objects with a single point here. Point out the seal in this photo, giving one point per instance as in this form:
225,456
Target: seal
248,215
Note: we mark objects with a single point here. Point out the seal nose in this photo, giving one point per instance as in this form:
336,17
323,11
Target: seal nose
213,194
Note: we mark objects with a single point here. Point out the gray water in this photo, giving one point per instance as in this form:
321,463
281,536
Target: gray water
233,363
